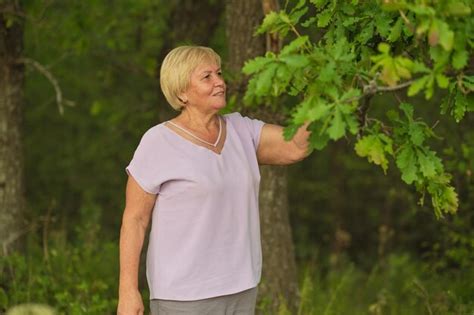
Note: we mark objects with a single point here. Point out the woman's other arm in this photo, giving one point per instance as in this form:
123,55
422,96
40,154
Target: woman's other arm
273,149
136,217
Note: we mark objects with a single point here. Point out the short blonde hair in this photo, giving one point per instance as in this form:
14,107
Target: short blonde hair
177,67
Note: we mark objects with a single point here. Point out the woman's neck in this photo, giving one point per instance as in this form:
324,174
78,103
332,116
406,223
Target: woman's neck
196,120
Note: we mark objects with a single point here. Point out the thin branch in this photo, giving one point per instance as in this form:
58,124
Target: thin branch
397,97
394,88
42,69
407,21
362,115
370,90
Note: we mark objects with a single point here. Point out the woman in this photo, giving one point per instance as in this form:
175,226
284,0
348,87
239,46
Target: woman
197,178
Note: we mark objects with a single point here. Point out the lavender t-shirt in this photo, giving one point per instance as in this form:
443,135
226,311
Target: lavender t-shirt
205,234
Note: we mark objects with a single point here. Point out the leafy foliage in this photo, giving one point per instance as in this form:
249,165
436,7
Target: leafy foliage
73,278
366,48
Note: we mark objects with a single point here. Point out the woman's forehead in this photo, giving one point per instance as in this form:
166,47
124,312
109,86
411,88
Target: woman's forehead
206,66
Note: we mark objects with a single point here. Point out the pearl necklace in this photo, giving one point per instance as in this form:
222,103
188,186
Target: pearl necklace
196,137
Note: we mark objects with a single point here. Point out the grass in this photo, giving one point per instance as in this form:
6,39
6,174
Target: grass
399,286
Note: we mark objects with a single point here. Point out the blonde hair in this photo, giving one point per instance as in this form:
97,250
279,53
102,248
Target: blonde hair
177,67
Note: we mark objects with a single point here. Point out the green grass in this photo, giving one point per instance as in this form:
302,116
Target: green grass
400,286
82,279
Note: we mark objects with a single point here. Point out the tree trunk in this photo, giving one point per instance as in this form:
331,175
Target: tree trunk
190,22
279,267
11,101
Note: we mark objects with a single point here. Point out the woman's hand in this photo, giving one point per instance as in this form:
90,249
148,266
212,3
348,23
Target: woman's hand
130,303
273,149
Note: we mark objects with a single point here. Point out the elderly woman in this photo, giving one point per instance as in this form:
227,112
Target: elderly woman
197,177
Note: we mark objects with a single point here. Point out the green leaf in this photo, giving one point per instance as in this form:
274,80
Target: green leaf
427,164
351,20
366,34
295,61
423,27
459,59
429,87
439,55
417,134
393,115
420,67
264,82
324,17
403,67
311,109
468,82
338,126
300,4
290,131
470,102
319,3
384,48
350,94
269,22
434,32
406,162
284,17
445,103
318,139
319,110
457,8
396,31
407,109
382,24
446,36
460,106
416,86
328,72
309,21
255,65
294,45
443,196
442,81
374,149
352,123
296,15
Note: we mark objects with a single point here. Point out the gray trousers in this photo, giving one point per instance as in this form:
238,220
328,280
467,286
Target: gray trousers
241,303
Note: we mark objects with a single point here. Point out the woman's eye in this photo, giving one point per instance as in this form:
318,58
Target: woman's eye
219,73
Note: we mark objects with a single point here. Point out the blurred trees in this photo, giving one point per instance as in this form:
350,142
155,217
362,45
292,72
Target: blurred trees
104,56
11,118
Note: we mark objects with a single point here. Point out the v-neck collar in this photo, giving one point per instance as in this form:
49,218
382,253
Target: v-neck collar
182,138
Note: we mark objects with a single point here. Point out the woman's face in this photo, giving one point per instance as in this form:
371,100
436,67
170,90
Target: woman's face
207,88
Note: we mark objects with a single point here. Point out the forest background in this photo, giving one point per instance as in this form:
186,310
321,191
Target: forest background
362,242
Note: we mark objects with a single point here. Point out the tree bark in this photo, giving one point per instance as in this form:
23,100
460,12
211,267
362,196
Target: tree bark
11,102
190,22
279,279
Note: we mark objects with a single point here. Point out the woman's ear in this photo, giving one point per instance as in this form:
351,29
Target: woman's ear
182,98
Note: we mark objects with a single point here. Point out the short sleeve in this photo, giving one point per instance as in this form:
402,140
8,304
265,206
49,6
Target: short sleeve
253,126
144,166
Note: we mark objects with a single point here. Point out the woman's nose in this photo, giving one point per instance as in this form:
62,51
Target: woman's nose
219,81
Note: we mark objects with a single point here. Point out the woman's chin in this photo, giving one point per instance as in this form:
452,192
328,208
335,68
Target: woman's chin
220,105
